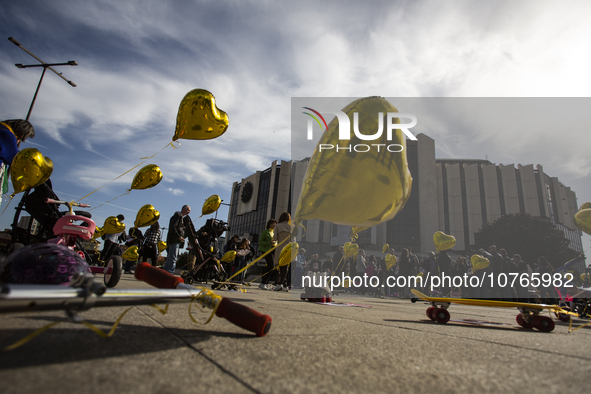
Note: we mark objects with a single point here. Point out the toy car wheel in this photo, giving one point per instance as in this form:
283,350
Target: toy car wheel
116,265
441,315
429,313
562,317
521,321
544,323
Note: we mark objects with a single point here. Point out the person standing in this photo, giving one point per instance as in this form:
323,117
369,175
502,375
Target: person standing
245,253
266,243
135,238
282,235
150,248
175,237
338,261
360,267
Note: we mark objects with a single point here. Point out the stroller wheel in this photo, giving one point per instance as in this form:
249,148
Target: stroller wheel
188,280
116,266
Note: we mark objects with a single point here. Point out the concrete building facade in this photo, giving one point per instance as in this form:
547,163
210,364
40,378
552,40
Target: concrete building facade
456,196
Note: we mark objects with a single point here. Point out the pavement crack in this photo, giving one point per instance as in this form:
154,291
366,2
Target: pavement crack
190,346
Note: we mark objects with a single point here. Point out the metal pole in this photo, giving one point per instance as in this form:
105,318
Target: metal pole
45,67
35,96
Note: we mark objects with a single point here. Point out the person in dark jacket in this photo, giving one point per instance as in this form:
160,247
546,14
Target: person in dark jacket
175,237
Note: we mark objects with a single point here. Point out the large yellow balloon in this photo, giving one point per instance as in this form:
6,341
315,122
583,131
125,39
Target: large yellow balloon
29,169
131,254
211,205
288,253
162,246
146,216
149,176
385,248
359,189
479,262
113,225
229,256
350,249
583,220
586,205
390,261
443,241
199,118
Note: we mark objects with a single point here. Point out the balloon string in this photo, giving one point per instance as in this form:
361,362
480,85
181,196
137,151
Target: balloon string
7,204
106,202
256,260
128,171
48,326
206,298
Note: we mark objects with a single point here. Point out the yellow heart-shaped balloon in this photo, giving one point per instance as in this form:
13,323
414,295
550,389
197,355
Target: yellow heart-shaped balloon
98,232
357,188
385,248
113,225
199,118
443,241
350,249
131,254
390,261
583,220
149,176
146,216
288,253
479,262
29,169
162,246
229,256
211,205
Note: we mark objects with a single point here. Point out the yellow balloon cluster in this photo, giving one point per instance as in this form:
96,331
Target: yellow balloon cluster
350,249
479,262
229,256
131,254
162,246
390,261
146,216
583,218
29,169
199,118
358,189
211,205
113,225
443,241
288,253
149,176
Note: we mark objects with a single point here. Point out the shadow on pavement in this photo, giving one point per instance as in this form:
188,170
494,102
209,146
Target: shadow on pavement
76,343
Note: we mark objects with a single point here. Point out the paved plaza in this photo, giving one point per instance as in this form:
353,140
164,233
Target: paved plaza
390,347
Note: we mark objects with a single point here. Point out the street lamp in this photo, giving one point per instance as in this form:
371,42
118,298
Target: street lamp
45,67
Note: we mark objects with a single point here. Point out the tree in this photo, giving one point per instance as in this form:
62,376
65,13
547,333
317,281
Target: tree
528,236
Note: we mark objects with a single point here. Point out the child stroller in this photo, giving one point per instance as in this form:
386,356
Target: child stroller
203,244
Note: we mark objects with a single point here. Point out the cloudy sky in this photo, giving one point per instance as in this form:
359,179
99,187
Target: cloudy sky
138,59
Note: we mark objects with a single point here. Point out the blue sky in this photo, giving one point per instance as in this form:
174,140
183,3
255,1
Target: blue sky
138,59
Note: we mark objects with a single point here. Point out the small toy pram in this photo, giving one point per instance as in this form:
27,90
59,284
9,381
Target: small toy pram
314,291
